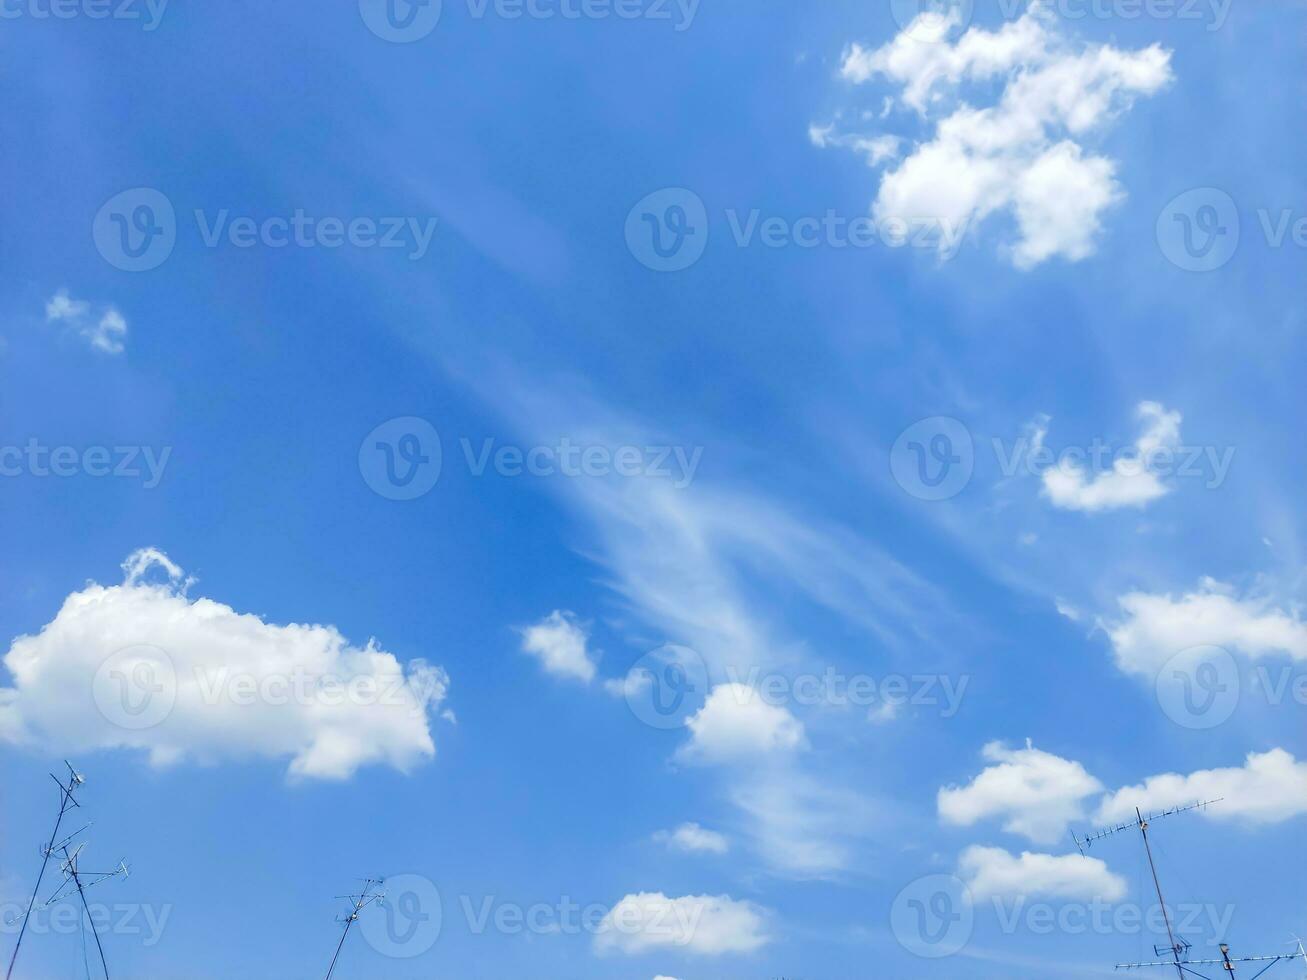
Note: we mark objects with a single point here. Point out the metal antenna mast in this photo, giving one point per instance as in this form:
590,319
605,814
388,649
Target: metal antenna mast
66,803
370,894
70,870
1179,949
78,880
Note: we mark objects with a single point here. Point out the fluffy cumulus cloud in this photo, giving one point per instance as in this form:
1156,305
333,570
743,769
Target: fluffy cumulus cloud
690,838
736,724
105,331
560,643
1152,628
1018,151
1035,793
141,665
991,872
1131,482
1268,788
706,924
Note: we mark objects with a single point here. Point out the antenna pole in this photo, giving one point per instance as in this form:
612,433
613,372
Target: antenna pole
360,902
72,870
340,945
66,803
1166,916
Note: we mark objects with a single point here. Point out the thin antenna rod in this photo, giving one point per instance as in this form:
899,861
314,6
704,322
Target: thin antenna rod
72,870
361,901
1166,916
332,969
66,803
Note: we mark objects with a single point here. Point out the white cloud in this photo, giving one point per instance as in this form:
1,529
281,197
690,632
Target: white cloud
1130,482
705,924
61,306
1154,628
691,838
877,149
559,642
735,723
1270,787
804,826
1066,609
1023,153
1036,793
991,872
105,334
142,666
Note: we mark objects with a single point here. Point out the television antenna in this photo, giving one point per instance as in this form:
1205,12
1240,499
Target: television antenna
66,803
370,894
1178,948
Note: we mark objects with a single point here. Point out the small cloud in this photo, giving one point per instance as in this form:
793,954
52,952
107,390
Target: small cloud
559,642
883,713
690,838
991,872
705,924
735,723
1130,482
105,334
1037,794
1153,627
1011,110
1065,608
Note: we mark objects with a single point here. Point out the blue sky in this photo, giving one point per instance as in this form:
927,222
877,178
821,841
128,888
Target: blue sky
660,424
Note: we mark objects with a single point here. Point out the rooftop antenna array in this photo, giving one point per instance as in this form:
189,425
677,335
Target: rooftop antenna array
370,894
1178,948
66,803
74,878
